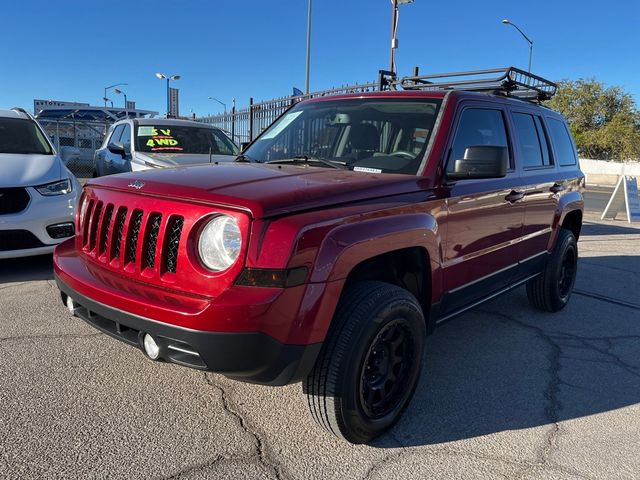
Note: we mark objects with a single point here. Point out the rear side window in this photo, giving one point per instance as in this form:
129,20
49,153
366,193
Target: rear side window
478,126
532,144
563,146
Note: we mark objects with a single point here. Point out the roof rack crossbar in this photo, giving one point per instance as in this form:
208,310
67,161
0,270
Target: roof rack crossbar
509,81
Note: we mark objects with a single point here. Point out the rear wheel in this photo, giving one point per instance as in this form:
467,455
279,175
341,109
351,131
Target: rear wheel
551,290
370,362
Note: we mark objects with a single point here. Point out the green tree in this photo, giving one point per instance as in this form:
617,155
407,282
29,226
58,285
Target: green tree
605,122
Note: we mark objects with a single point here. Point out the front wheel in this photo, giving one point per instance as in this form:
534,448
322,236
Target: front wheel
370,362
551,290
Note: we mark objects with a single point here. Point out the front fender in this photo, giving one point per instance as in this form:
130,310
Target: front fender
347,245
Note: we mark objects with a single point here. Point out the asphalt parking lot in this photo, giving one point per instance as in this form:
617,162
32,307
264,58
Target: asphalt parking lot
506,392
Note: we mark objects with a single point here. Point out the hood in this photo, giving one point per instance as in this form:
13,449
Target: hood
181,159
24,170
265,190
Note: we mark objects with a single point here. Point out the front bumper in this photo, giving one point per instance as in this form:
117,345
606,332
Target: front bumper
40,212
247,356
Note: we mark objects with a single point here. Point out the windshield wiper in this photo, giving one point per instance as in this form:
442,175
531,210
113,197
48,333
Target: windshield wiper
308,160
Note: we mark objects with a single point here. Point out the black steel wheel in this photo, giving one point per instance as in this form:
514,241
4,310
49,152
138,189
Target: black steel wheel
370,362
551,290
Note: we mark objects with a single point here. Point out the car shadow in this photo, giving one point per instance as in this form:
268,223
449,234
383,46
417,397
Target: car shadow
506,366
26,269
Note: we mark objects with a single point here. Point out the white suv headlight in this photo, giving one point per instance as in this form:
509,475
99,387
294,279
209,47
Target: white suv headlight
61,187
219,243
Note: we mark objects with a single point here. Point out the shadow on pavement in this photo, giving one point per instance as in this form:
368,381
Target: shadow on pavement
589,229
26,269
506,366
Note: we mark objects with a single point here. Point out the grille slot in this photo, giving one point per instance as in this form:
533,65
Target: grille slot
172,242
134,231
151,240
105,229
13,200
95,219
85,226
121,216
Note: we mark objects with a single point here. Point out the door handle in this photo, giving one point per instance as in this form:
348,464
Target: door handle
557,188
514,196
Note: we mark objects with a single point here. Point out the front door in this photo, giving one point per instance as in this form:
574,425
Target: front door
485,217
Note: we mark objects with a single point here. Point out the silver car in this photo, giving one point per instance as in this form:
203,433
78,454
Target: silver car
139,144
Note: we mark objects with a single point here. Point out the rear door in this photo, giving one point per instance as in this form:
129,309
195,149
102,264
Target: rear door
533,152
484,221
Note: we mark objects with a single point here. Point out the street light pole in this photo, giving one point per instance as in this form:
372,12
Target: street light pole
221,103
162,76
109,87
394,32
120,92
306,83
506,21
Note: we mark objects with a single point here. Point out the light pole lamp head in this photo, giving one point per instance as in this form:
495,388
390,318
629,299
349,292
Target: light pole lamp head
175,77
404,2
118,91
506,21
161,76
105,99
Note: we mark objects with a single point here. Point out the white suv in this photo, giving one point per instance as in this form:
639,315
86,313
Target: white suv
38,195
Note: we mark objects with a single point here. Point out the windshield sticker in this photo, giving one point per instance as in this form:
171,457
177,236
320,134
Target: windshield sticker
146,131
367,170
281,125
161,140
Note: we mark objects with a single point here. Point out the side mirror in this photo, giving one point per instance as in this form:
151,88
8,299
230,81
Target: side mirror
244,145
116,148
481,161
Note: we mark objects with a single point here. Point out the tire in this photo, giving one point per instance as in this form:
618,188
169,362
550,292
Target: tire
550,291
372,320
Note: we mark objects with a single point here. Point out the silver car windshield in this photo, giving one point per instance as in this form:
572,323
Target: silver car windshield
22,136
183,139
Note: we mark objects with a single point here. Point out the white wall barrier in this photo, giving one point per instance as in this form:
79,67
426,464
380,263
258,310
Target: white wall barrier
601,172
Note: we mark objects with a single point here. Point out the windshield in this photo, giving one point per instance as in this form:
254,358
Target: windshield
370,135
22,136
183,139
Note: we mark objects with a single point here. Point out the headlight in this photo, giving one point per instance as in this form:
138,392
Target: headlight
219,243
61,187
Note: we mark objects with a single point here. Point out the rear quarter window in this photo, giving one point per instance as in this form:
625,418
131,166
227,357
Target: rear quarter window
562,144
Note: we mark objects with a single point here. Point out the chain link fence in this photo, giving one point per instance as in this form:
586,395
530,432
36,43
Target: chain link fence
76,142
245,124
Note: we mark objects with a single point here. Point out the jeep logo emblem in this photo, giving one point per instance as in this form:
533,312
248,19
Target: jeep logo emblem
137,184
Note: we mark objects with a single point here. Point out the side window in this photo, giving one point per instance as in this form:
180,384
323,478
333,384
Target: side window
115,136
478,126
563,146
223,144
125,138
529,141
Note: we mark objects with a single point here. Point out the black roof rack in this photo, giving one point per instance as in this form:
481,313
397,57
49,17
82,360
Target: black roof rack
508,81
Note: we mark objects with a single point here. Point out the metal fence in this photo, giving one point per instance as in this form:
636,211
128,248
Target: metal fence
76,142
245,124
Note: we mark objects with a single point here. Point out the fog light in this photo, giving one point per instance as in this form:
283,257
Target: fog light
151,348
71,305
61,230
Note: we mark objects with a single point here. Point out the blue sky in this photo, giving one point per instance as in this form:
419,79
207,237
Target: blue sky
72,49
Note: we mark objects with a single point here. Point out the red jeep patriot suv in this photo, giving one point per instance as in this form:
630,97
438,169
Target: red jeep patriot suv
343,235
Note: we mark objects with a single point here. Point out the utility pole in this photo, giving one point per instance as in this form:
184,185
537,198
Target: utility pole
306,83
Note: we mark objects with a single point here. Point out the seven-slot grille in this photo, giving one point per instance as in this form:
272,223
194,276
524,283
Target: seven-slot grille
131,236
